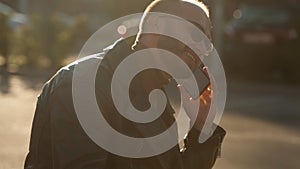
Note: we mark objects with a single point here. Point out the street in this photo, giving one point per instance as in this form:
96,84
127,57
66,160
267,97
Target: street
263,129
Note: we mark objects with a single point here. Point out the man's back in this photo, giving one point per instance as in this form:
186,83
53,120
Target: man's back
58,140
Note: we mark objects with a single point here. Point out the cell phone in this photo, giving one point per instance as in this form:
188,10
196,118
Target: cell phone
202,82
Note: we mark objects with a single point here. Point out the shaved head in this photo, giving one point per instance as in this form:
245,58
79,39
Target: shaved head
191,10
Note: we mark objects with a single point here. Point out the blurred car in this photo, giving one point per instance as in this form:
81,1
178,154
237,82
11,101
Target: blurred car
261,25
258,39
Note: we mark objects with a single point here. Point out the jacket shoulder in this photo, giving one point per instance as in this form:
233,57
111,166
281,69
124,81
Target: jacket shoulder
64,76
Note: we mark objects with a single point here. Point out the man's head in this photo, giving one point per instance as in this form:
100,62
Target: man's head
189,10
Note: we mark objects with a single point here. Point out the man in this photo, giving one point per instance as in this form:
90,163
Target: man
58,140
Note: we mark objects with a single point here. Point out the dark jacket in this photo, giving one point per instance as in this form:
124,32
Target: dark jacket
59,142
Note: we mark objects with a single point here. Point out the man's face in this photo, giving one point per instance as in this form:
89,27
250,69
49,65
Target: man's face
190,51
181,50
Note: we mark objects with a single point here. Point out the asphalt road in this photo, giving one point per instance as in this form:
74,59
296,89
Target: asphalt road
263,127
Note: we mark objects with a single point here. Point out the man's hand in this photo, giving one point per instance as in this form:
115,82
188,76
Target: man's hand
189,105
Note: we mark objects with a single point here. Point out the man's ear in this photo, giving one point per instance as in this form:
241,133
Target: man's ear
150,40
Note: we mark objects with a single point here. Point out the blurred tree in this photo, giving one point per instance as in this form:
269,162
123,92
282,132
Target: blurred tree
5,37
29,41
48,29
65,38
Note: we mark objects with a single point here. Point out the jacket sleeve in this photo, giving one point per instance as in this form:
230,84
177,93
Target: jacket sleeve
204,155
39,155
